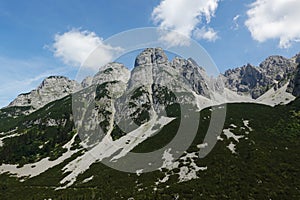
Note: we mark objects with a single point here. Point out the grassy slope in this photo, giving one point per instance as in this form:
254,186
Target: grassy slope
35,132
266,166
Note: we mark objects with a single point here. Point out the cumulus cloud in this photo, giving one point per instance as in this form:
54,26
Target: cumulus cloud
84,48
205,33
183,17
275,19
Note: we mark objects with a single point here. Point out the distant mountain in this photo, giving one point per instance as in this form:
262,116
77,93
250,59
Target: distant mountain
51,89
246,81
275,72
56,140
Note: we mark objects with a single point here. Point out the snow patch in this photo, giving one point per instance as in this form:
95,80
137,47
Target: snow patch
139,172
88,179
193,167
229,135
35,169
231,147
107,147
185,173
272,98
246,124
168,160
275,97
233,126
220,138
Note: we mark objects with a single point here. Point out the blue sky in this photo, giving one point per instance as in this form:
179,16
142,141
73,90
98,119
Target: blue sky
31,31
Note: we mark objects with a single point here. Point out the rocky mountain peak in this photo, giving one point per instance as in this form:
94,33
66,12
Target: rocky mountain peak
153,69
274,61
49,81
51,89
112,71
86,82
178,62
274,71
278,66
151,56
193,62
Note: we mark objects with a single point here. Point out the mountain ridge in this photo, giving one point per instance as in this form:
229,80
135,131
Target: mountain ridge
248,80
66,148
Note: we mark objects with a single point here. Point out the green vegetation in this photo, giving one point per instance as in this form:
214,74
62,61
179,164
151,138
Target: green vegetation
10,116
39,135
117,132
266,165
141,115
103,90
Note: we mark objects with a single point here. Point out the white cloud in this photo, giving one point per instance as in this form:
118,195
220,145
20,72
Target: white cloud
75,46
235,22
173,38
182,16
274,19
205,33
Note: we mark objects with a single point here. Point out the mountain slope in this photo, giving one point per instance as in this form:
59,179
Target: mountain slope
262,163
51,89
63,150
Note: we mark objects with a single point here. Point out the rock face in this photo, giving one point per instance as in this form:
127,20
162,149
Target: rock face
51,89
111,72
157,84
275,72
125,100
294,84
153,67
278,67
94,105
87,82
194,75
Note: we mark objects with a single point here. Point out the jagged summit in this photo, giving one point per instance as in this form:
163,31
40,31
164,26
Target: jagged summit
151,56
112,72
51,88
53,79
153,66
179,74
274,71
275,61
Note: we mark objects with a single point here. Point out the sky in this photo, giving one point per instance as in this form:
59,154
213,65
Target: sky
43,38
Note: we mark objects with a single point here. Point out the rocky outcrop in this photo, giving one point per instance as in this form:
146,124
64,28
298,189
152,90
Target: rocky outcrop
194,75
94,105
111,72
51,89
86,82
275,72
294,84
156,84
